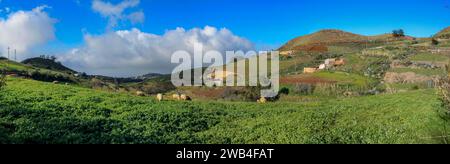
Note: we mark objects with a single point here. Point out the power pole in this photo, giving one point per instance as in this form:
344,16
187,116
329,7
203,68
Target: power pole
8,52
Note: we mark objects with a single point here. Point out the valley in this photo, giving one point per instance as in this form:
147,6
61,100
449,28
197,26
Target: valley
384,90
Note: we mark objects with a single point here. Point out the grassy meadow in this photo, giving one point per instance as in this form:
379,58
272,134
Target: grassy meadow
39,112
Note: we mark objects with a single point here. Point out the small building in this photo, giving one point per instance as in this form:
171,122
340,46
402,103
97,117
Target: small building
219,75
334,62
309,70
329,62
286,53
322,67
339,62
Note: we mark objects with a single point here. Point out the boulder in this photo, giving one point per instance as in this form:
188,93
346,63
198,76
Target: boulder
140,93
160,97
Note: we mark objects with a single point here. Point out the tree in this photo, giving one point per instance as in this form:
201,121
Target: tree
398,33
434,41
53,58
284,91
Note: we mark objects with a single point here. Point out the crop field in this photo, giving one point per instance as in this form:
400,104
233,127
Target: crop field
430,57
38,112
426,72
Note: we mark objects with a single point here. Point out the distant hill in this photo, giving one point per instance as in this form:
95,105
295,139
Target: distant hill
329,37
149,76
47,64
323,37
444,34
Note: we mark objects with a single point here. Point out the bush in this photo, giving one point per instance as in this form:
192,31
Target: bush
398,33
284,91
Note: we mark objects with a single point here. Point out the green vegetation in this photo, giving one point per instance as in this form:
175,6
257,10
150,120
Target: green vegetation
2,81
409,87
36,73
13,66
345,78
401,118
349,103
47,63
37,112
426,72
430,57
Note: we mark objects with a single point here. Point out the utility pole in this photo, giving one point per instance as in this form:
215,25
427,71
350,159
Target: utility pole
8,52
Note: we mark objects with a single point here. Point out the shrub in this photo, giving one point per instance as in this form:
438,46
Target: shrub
157,88
444,92
241,94
284,91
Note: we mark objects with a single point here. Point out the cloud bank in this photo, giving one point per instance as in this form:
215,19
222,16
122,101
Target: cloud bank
23,30
133,52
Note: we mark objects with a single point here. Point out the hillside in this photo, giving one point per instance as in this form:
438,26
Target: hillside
324,37
444,34
47,64
337,37
49,71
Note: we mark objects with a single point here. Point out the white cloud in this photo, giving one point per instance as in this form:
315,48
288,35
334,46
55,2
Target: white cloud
133,52
137,17
23,30
115,12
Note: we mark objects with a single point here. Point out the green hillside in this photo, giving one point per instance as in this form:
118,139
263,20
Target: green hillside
47,64
8,65
38,112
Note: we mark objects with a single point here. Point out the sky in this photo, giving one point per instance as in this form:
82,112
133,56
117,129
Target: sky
140,35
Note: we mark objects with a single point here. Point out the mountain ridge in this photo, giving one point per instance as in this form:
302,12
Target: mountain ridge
335,36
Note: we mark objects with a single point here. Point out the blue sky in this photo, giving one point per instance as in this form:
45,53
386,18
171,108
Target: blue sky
264,22
141,35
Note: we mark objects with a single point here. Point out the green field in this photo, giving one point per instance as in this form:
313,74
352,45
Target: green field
38,112
426,72
430,57
14,66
